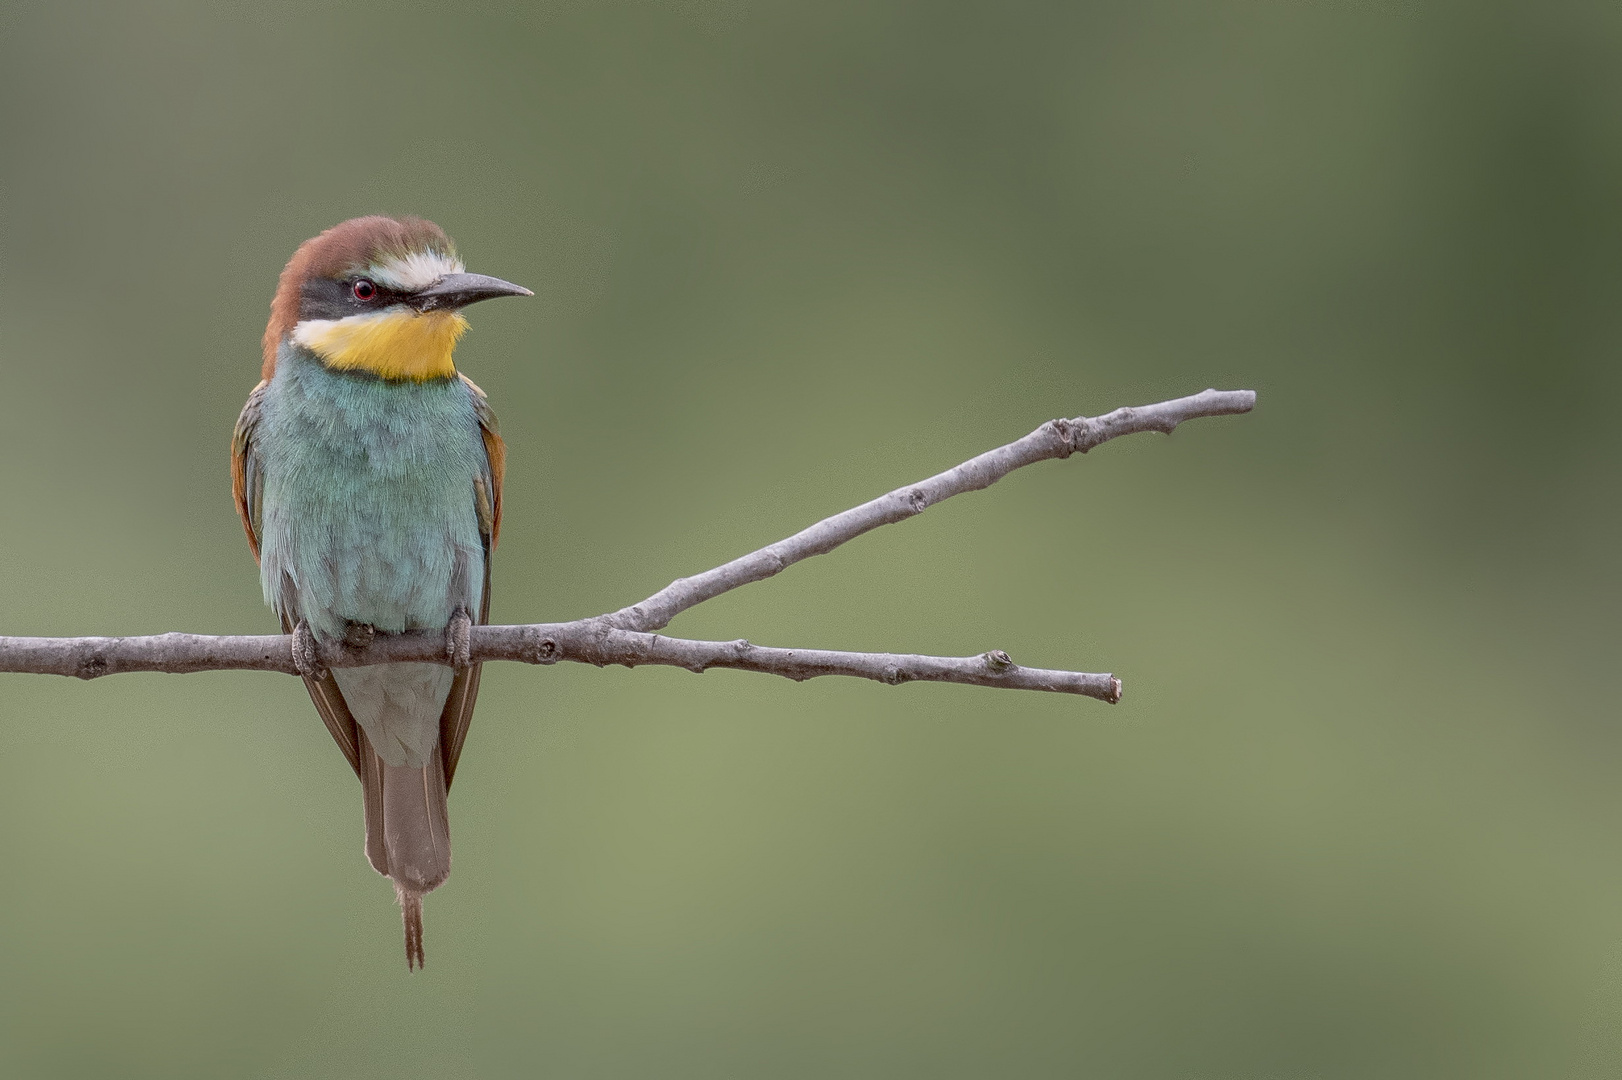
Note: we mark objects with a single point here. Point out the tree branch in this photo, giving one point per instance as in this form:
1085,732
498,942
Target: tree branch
584,641
1054,439
625,637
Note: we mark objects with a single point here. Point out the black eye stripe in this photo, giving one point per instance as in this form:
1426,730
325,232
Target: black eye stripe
328,298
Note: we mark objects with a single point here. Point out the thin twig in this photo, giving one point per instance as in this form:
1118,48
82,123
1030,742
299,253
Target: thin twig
625,637
1054,439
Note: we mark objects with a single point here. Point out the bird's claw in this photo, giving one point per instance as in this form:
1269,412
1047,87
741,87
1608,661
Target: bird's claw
306,657
459,639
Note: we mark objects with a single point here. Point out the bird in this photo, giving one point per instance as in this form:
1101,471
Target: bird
368,472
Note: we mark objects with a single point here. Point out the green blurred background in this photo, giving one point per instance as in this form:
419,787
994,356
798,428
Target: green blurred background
1359,812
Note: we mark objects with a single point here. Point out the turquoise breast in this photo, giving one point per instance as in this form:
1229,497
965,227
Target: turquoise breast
368,511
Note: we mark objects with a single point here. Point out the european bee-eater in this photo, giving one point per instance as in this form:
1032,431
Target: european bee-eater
368,474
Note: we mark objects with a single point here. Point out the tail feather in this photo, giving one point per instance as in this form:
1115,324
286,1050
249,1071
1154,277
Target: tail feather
371,790
408,834
411,915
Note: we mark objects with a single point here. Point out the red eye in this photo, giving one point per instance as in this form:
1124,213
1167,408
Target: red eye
364,290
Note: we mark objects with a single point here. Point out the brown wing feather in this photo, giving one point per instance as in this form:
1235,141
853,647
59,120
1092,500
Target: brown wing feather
334,711
495,453
458,712
244,469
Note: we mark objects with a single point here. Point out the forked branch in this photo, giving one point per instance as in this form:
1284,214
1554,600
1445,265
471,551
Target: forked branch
625,636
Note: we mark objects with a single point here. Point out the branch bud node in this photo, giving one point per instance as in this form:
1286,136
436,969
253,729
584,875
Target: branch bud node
1065,431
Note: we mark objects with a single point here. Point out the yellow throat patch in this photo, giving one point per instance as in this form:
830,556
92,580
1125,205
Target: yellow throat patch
398,344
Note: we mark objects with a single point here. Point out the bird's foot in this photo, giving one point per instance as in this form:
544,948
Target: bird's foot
306,657
459,639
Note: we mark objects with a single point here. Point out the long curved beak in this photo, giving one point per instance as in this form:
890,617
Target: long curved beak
460,290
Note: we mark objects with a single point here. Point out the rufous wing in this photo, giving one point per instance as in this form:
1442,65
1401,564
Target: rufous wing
458,712
245,474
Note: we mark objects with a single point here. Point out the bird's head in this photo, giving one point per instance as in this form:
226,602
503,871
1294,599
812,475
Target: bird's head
380,295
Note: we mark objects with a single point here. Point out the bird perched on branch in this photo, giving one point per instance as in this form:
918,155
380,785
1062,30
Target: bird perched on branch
368,473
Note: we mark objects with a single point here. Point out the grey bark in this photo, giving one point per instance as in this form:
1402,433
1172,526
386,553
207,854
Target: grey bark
585,641
1054,439
625,636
